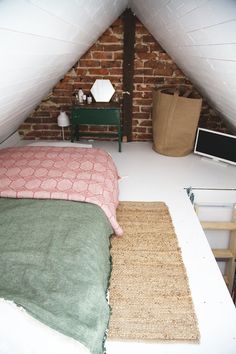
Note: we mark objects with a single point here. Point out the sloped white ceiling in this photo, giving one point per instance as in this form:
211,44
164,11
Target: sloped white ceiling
40,40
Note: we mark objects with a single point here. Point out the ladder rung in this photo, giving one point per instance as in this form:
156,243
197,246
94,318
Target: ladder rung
218,225
222,253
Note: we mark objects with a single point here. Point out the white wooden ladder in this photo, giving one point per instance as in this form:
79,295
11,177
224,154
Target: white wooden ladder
227,255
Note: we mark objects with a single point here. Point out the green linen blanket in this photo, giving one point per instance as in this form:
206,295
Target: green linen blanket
55,263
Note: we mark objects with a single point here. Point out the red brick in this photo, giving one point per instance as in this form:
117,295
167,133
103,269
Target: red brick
118,30
49,120
45,127
143,102
138,79
41,114
145,109
142,87
145,123
32,120
102,55
143,137
148,39
58,92
118,55
164,56
178,73
96,47
33,134
155,47
136,109
99,72
87,55
115,71
163,69
98,128
146,56
150,80
109,39
25,126
138,64
140,29
139,130
64,85
89,63
106,33
141,48
144,71
113,47
141,94
142,115
152,64
174,81
81,71
117,23
116,81
61,100
84,81
111,64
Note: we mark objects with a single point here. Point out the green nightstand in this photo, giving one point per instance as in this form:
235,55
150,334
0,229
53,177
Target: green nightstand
96,114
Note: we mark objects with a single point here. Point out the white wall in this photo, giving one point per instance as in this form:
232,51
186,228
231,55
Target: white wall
40,40
200,35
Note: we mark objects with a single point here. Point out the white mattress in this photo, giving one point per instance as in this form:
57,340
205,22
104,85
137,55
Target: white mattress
20,333
60,143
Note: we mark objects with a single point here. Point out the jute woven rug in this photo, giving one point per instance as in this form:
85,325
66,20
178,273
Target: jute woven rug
149,293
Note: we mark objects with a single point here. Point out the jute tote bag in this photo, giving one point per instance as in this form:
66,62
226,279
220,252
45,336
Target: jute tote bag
175,120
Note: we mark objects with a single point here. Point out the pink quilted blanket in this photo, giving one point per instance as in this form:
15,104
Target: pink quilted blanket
79,174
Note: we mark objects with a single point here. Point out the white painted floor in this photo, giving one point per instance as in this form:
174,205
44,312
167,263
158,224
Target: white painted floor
148,176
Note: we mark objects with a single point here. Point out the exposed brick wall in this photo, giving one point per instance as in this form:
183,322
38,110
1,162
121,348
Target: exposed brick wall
153,69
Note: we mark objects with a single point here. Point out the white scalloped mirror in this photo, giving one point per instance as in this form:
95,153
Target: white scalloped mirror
102,90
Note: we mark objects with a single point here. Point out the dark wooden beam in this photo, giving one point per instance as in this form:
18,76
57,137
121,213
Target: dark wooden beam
128,72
